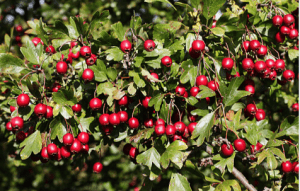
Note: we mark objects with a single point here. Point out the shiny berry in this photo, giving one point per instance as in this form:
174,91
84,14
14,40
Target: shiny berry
277,20
127,148
23,100
270,64
50,49
288,19
148,123
279,65
133,123
251,109
76,108
295,107
201,80
61,67
68,139
95,104
88,75
40,109
180,89
180,127
285,30
8,126
288,75
273,75
160,121
159,130
227,63
260,115
262,51
287,167
76,146
83,137
227,151
145,101
245,46
114,119
260,66
123,115
191,127
133,152
104,119
213,85
36,41
149,45
123,101
85,51
52,149
254,45
250,88
44,153
247,64
125,46
97,167
166,61
17,122
194,91
49,112
280,38
194,54
19,28
239,145
296,167
198,46
91,60
170,130
293,34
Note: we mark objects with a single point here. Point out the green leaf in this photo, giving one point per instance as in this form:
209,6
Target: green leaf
223,162
99,18
140,82
156,101
218,31
131,89
229,185
202,128
193,169
232,94
189,75
293,54
31,52
211,7
33,144
84,125
119,31
205,92
138,61
10,64
271,160
112,73
114,54
174,153
26,111
149,157
179,183
99,71
7,41
164,1
289,126
66,112
64,97
58,129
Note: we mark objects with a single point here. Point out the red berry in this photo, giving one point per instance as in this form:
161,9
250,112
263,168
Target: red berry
214,24
127,148
273,75
114,119
61,67
88,75
227,63
20,136
250,89
133,123
123,115
125,46
248,64
123,101
177,137
148,123
287,167
270,64
279,65
23,100
277,20
251,109
245,46
227,151
8,126
155,76
201,80
149,45
239,145
85,51
213,85
180,127
254,45
160,130
44,153
76,108
198,46
194,91
166,61
95,104
260,66
145,101
56,86
73,44
97,167
83,137
17,122
170,130
18,38
36,41
160,121
288,75
68,139
295,107
52,149
57,157
91,60
293,34
180,89
191,127
260,115
285,30
12,108
194,54
262,51
133,152
49,112
288,19
76,56
40,109
19,28
296,167
76,146
104,119
280,38
50,49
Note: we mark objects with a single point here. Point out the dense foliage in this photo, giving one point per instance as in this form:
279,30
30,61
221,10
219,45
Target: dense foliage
160,95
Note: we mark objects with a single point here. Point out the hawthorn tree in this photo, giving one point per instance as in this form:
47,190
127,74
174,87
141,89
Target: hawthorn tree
194,103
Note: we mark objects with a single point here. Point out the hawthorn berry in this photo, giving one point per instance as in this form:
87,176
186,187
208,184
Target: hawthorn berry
245,46
125,46
49,112
213,85
166,61
285,30
148,123
123,101
273,75
227,64
114,119
250,88
145,101
123,115
293,34
19,28
260,115
279,65
36,41
262,51
88,75
260,66
191,127
23,100
288,75
280,38
133,123
154,76
251,109
104,119
296,167
107,129
247,64
50,49
52,149
91,60
61,67
8,126
239,145
20,136
68,139
160,121
127,148
170,130
180,89
201,80
149,45
159,130
270,64
40,109
76,108
288,19
194,54
194,91
76,146
133,152
85,51
198,46
287,166
227,151
83,137
254,45
277,20
179,127
44,153
97,167
95,104
295,107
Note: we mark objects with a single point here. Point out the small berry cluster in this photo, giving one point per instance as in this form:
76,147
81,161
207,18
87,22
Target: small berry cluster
287,29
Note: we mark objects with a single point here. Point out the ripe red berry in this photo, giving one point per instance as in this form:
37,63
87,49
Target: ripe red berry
260,115
50,49
123,101
251,109
227,64
36,41
149,45
239,145
160,130
166,61
49,112
293,34
107,129
40,109
73,44
201,80
68,139
279,65
52,149
91,60
277,20
177,137
148,123
198,46
285,30
288,19
145,101
19,28
213,85
127,148
8,126
191,127
262,51
61,67
287,167
88,75
97,167
180,127
260,66
76,146
56,86
133,152
194,54
125,46
280,38
44,153
12,108
23,100
227,151
180,89
248,64
104,119
245,46
273,75
85,51
270,64
133,123
83,137
76,108
254,45
295,107
288,75
160,121
18,38
20,136
170,130
123,115
57,157
95,104
155,76
114,119
296,167
250,89
194,91
17,123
